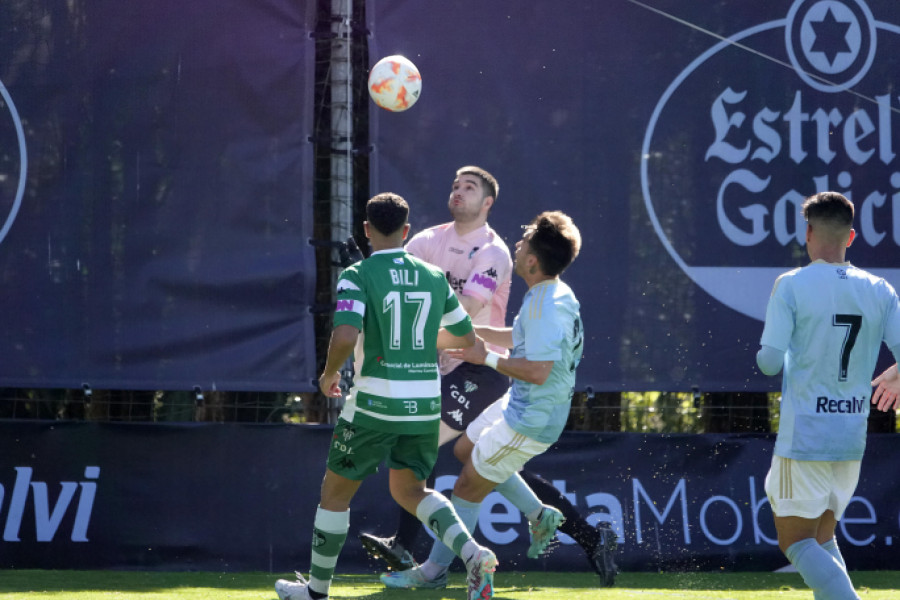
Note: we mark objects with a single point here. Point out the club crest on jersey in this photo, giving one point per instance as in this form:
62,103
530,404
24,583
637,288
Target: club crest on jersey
472,253
398,261
842,273
470,386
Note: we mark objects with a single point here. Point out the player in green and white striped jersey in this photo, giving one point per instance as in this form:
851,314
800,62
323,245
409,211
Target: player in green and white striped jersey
395,311
398,302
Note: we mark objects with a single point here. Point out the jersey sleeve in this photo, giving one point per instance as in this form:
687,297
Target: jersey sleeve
455,319
418,245
489,268
779,325
892,319
350,307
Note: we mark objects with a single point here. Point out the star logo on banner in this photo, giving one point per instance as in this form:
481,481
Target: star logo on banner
831,43
831,36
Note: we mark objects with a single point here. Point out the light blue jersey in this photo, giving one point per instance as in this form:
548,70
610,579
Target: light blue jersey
830,320
548,327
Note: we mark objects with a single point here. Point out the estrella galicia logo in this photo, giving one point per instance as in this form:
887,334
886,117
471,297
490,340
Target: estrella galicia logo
13,162
760,121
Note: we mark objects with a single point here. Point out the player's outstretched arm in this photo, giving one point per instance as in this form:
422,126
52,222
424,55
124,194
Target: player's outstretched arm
887,391
447,340
530,371
498,336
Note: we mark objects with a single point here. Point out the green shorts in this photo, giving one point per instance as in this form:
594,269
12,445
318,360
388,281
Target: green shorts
356,451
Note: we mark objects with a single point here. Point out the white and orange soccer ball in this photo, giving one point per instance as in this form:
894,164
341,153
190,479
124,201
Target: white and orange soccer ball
395,83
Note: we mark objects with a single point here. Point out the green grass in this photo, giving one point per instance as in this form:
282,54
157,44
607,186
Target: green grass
139,585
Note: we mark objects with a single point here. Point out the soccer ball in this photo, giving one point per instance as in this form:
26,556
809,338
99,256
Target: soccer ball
395,83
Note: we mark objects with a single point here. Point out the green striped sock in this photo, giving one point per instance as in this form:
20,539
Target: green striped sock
436,512
329,534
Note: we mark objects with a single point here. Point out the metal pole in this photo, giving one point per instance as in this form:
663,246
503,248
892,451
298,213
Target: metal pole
341,125
341,143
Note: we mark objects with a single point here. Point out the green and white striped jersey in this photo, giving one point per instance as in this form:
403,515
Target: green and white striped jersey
398,302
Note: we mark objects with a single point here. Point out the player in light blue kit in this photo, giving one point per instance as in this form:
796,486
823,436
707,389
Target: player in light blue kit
547,342
824,324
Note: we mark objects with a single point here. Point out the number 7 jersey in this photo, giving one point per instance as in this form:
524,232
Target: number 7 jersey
398,302
830,320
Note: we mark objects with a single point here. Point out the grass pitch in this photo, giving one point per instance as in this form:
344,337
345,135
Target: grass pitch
140,585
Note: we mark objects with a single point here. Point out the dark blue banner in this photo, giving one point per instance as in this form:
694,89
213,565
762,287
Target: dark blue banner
243,497
681,137
155,194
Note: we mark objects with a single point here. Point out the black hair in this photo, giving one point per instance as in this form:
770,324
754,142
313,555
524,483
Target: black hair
387,212
830,207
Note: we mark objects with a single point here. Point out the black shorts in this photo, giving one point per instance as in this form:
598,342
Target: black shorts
467,390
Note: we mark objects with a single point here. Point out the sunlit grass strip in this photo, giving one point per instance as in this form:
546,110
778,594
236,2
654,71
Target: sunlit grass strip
141,585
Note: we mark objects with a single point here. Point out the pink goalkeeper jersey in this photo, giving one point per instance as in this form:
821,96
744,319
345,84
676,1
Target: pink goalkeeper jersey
477,264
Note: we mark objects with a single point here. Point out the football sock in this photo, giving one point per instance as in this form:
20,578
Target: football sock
575,525
438,514
329,533
831,547
522,497
468,515
821,572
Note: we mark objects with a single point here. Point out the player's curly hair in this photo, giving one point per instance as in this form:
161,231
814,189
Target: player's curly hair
555,241
387,212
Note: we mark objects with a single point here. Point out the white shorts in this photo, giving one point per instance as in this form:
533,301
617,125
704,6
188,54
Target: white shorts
499,451
807,488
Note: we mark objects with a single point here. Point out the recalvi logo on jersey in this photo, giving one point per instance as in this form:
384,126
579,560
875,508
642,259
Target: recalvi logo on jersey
16,494
830,405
